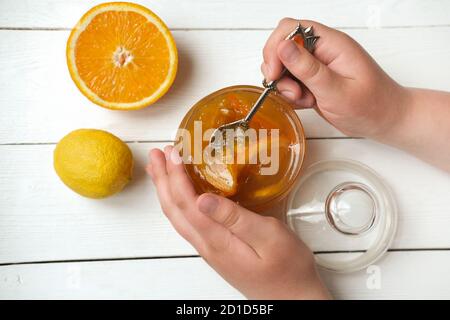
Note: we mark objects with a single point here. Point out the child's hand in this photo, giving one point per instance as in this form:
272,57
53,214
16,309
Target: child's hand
257,255
341,80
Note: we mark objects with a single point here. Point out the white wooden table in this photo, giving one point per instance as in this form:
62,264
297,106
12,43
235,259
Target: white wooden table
56,244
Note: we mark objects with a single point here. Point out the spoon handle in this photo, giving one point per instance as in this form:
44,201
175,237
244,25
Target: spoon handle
258,103
269,87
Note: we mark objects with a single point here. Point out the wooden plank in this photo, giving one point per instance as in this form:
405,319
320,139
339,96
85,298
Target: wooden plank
41,219
238,14
398,275
402,275
40,103
153,279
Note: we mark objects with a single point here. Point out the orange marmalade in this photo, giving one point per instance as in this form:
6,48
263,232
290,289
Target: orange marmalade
277,155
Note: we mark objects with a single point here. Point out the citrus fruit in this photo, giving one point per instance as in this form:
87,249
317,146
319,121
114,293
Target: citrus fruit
122,56
93,163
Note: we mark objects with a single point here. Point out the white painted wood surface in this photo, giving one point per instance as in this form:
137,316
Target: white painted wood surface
33,64
399,275
209,14
43,220
219,44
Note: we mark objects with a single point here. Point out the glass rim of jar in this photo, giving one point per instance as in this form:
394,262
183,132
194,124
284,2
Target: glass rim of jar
291,114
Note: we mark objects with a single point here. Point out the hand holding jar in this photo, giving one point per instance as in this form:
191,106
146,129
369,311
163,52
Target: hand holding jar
258,255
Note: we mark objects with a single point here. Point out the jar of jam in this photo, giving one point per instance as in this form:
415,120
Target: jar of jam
271,166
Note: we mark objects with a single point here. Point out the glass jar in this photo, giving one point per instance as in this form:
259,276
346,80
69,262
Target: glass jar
257,189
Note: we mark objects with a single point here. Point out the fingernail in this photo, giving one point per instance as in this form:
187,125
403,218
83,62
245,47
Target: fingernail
290,51
208,204
288,94
175,157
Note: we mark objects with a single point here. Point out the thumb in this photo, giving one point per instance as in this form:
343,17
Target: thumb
317,77
248,226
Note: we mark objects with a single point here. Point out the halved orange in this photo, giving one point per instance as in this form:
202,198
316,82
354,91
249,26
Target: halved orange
122,56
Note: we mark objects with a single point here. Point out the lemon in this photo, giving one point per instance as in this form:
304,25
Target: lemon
93,163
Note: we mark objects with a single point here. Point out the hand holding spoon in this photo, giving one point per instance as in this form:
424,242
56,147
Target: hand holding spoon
309,39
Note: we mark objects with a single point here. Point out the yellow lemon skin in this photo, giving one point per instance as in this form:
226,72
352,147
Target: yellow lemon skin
94,163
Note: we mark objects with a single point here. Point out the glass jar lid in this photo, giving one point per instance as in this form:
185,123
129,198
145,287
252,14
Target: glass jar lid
344,212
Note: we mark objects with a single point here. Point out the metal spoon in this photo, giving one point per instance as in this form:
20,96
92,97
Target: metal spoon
309,40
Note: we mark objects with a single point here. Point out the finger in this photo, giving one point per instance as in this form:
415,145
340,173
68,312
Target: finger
158,171
296,93
272,66
149,170
248,226
290,89
307,99
161,180
182,190
326,48
202,232
174,161
330,43
318,78
266,73
209,238
217,242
